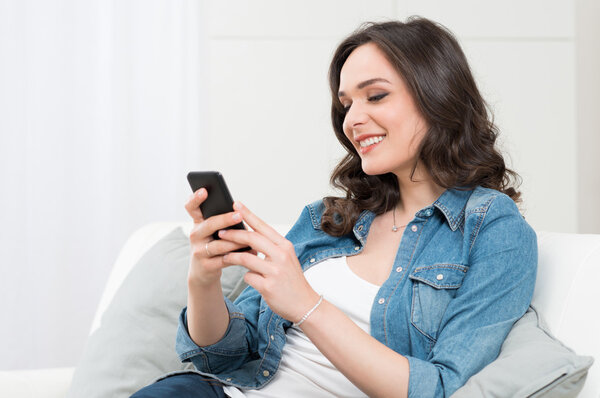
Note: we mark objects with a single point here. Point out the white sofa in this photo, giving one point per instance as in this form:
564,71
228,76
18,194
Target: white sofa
566,296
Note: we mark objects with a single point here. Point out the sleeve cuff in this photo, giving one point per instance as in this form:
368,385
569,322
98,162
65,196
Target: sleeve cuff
233,341
423,380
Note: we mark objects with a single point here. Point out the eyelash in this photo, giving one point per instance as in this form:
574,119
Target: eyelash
377,97
373,98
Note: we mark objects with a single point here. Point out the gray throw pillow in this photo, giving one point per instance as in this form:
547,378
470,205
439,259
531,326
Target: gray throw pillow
135,342
532,363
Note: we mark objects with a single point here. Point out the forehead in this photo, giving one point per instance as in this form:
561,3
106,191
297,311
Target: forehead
366,62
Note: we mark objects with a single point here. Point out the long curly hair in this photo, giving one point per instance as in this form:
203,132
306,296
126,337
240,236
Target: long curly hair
458,150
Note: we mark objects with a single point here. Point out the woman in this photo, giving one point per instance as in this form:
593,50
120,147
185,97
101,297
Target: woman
405,287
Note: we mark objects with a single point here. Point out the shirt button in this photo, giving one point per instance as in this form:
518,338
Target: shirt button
360,227
440,277
414,228
266,373
272,338
399,269
429,213
312,260
357,248
228,379
381,301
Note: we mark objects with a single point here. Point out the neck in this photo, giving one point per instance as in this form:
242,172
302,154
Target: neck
417,193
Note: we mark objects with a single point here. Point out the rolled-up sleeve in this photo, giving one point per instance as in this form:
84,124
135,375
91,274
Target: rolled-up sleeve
231,351
494,294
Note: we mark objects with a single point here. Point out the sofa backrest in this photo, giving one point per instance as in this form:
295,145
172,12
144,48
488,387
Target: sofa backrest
567,296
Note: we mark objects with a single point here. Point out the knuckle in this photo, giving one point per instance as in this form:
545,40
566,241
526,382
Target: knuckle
202,230
197,253
223,262
269,285
210,224
282,256
195,235
276,272
288,245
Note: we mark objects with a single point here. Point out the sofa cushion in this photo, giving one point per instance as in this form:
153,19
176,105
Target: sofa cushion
135,342
532,363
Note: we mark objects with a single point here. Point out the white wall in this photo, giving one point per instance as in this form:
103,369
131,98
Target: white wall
270,105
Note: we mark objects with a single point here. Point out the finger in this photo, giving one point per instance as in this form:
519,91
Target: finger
220,247
258,225
193,205
215,223
250,261
250,238
210,261
255,280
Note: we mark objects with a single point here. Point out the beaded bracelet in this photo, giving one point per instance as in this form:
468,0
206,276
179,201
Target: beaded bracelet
309,312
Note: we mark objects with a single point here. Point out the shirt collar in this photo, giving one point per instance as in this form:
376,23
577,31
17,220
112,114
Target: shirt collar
452,204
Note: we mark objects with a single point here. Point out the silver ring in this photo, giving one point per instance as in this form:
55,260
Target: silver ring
206,248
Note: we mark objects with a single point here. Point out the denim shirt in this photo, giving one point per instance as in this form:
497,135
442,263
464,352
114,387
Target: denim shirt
463,274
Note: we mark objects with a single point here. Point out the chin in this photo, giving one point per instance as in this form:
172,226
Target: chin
373,170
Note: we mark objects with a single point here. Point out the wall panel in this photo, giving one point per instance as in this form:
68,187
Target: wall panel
289,19
530,86
269,132
493,19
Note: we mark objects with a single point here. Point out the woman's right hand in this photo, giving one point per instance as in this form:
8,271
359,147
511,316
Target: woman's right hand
207,253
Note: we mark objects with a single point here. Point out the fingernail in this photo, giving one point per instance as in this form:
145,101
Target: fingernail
237,205
237,217
222,232
201,191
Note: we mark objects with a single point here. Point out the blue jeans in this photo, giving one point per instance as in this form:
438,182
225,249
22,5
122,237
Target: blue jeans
185,385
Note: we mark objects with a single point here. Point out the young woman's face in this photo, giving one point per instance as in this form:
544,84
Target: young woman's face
382,121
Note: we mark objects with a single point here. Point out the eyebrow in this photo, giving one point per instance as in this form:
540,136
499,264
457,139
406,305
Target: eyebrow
366,83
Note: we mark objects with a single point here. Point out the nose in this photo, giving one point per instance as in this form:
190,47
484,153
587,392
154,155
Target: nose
355,117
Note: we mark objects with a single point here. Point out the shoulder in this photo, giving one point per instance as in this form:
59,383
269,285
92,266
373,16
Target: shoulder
482,199
307,236
493,218
308,223
310,216
486,206
315,212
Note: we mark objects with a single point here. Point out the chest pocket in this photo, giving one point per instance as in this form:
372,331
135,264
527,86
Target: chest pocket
434,286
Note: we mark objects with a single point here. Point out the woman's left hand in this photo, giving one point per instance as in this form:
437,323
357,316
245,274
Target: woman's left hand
278,277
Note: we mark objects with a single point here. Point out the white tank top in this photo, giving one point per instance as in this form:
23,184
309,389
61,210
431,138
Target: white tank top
303,370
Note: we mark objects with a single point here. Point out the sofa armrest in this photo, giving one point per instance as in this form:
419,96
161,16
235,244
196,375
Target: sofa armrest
38,383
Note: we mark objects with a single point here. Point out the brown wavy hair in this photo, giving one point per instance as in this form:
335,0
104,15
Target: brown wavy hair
458,150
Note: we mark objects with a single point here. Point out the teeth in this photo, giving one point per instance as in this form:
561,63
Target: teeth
371,141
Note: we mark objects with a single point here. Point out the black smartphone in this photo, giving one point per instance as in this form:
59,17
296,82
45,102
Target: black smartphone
219,199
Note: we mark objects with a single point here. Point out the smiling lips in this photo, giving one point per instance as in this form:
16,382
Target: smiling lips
369,143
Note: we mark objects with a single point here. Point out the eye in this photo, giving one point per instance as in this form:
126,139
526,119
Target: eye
378,97
346,107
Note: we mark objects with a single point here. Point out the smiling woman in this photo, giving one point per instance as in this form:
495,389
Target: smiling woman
406,286
414,79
